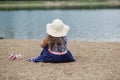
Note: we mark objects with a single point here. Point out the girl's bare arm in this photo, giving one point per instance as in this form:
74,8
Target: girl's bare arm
44,43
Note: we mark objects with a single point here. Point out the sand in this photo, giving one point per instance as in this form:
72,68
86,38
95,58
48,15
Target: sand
94,61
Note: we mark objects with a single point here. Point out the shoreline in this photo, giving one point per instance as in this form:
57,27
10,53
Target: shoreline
69,40
50,5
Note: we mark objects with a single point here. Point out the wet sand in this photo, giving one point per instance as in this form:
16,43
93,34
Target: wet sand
94,61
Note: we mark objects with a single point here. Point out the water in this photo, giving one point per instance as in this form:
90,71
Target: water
85,25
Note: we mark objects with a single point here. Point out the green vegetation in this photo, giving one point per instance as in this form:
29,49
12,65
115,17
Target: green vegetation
58,4
61,0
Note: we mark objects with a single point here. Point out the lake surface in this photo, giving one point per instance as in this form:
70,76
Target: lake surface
85,25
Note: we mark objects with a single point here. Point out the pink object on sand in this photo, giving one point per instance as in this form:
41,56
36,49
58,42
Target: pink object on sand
13,57
18,56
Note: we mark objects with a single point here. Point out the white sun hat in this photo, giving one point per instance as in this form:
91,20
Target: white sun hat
57,28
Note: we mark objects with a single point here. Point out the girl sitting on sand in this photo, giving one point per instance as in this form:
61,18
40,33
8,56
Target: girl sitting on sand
55,44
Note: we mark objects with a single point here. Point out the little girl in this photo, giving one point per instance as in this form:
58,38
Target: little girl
55,44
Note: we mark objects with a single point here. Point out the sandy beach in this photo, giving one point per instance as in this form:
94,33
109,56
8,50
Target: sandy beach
94,61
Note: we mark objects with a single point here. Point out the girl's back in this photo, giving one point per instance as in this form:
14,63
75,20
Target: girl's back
57,44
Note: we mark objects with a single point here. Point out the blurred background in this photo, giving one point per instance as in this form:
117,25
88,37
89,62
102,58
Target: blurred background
89,20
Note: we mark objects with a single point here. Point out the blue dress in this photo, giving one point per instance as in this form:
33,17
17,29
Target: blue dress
47,56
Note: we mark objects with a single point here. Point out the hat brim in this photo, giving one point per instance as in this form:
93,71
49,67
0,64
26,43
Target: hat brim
58,33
